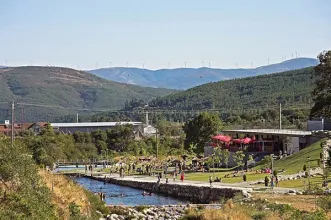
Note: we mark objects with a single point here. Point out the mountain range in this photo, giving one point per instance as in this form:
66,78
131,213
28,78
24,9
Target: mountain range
44,93
185,78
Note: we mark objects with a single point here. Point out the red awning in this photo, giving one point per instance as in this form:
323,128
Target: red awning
247,140
222,138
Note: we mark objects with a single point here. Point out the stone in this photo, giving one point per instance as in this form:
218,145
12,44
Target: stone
113,217
291,191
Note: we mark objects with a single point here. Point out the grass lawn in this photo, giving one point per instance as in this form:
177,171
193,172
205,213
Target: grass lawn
302,183
198,176
294,163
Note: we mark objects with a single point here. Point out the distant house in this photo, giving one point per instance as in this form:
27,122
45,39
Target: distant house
19,127
70,128
319,124
149,131
37,127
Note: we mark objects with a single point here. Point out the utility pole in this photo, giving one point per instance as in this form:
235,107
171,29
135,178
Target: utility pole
272,171
280,115
12,123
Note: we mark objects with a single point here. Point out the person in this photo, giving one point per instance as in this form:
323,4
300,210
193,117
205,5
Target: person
182,176
85,168
210,180
276,181
144,193
167,180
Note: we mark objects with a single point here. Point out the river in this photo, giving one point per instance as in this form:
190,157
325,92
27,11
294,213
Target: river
121,195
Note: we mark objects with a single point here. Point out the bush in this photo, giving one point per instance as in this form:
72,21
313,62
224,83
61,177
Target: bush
192,215
266,181
141,208
304,168
244,177
306,174
275,172
74,209
325,203
259,215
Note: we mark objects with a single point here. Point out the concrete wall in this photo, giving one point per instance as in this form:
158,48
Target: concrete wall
196,194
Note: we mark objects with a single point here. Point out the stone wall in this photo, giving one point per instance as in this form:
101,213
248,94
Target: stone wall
196,194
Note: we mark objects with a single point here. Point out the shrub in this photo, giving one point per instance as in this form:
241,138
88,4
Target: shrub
325,203
141,208
306,174
192,215
275,172
304,168
266,181
259,215
244,177
74,209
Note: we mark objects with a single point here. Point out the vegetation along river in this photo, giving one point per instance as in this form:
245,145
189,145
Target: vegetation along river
121,195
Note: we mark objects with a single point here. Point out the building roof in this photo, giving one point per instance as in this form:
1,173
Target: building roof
271,131
94,124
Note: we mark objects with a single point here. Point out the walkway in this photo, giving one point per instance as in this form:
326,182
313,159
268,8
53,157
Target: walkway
239,186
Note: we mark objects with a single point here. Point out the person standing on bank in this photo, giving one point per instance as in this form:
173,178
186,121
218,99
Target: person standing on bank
210,180
182,176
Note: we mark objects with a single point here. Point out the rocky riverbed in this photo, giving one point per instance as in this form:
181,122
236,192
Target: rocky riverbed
147,212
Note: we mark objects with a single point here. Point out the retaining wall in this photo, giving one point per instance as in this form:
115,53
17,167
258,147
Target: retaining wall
196,194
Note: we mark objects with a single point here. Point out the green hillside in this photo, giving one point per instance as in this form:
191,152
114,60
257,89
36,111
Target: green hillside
67,90
291,88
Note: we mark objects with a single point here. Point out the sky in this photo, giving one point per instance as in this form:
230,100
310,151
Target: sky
85,34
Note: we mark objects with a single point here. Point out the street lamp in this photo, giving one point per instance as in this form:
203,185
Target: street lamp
272,171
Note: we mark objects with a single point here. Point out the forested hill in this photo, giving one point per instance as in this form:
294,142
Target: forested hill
291,88
64,91
185,78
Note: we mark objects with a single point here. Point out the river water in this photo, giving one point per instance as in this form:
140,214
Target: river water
122,195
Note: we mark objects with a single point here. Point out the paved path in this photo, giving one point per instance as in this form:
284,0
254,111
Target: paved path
239,186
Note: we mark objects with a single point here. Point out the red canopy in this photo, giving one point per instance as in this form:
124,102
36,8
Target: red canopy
237,141
222,138
247,140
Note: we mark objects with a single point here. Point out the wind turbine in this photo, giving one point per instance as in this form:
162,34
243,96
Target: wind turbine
97,65
168,65
209,64
202,63
143,65
127,64
185,63
109,64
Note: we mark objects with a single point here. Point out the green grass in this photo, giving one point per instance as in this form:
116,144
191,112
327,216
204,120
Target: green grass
291,164
295,162
302,183
299,183
204,177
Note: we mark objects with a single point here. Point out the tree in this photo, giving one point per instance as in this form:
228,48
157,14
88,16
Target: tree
225,156
238,157
200,129
321,93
